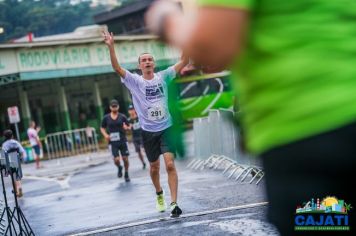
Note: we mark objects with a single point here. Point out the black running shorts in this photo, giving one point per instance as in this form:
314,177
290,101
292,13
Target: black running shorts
157,143
138,143
119,149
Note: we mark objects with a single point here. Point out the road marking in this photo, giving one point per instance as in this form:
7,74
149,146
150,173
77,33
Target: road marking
63,180
145,222
64,184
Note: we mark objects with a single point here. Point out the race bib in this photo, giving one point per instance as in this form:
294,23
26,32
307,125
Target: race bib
156,113
136,126
115,136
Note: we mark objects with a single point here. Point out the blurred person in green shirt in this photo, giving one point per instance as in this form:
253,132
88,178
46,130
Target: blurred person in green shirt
294,69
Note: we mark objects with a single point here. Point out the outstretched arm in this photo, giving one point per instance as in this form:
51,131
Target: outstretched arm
109,41
214,38
184,60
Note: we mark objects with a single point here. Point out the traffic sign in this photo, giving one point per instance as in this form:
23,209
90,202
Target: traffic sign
14,115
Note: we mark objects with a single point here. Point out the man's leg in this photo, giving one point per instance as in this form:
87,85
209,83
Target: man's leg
115,153
151,142
126,163
37,156
37,159
140,155
117,161
154,172
124,151
138,145
18,188
119,167
173,183
172,175
161,205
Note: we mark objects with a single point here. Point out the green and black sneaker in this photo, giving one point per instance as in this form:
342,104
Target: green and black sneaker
127,178
175,210
119,171
161,205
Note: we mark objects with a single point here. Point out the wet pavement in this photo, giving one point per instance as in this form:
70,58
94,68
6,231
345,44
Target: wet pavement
237,222
84,194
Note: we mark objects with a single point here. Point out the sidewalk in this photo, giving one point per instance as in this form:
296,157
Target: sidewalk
59,168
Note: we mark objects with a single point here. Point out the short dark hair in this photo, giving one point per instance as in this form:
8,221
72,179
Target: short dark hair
8,134
139,57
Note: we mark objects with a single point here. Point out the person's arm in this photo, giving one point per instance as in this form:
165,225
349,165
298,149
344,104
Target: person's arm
38,140
126,124
104,133
129,126
184,60
109,41
103,130
22,151
126,127
215,38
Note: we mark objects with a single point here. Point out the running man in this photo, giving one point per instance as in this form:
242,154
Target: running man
136,134
11,144
32,133
149,94
113,128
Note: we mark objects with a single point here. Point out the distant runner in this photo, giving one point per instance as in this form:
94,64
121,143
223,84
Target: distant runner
136,134
113,128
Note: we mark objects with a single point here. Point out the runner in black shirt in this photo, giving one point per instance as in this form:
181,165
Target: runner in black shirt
113,128
136,134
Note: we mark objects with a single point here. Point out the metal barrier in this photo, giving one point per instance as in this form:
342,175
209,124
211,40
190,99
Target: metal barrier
71,142
3,222
216,147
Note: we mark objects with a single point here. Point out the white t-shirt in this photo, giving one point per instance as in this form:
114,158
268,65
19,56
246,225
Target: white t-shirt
32,136
150,98
13,144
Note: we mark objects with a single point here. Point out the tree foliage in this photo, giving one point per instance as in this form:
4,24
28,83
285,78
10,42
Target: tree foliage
43,17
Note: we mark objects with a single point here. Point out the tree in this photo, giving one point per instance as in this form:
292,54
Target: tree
44,17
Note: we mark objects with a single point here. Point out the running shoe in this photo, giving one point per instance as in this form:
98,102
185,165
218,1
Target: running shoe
161,205
175,210
119,173
127,178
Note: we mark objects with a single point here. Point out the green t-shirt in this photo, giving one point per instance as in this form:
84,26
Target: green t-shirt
297,74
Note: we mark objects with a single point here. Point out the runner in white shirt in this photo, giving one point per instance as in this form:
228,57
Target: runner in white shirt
149,94
32,133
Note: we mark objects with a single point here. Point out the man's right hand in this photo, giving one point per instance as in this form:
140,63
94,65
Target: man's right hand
107,137
108,38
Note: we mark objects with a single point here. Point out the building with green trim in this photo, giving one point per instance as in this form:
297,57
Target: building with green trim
65,82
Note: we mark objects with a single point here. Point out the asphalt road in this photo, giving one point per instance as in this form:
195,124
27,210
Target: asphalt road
64,200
